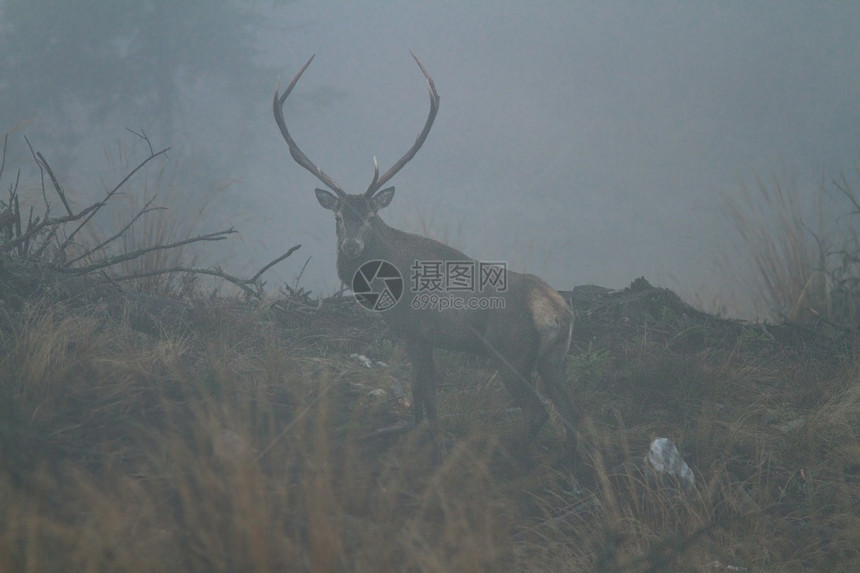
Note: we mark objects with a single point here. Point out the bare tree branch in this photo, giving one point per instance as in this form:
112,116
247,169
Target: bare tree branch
845,189
110,261
144,137
143,211
3,160
292,250
40,251
301,273
38,226
42,231
14,199
244,284
111,193
10,217
41,177
57,187
388,431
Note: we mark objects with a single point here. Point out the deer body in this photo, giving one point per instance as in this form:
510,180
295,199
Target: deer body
528,328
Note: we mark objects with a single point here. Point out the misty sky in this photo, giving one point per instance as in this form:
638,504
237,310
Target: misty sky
588,142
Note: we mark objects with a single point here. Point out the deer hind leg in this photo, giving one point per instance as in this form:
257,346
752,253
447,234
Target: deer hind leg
516,376
553,321
424,384
553,374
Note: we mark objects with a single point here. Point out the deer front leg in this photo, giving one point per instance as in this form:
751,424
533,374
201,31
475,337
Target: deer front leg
424,385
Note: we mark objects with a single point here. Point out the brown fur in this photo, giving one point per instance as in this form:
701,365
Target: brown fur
532,331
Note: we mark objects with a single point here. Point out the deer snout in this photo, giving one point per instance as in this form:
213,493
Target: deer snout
352,247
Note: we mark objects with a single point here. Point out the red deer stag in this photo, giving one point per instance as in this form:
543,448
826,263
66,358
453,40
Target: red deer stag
526,326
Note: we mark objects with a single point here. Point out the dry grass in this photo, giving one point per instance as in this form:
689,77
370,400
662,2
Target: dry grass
774,224
150,194
235,446
804,248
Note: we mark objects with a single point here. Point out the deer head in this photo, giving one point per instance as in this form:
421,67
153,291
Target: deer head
356,214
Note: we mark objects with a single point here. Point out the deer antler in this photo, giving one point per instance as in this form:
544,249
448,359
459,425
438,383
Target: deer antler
379,181
295,151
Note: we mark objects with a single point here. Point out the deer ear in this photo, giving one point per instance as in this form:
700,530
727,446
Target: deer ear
326,199
382,198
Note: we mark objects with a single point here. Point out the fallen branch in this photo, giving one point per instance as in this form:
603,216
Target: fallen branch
38,226
244,284
266,267
116,259
35,227
143,211
113,191
45,230
57,187
388,431
3,157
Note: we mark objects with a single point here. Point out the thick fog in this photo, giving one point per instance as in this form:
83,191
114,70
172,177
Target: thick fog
587,142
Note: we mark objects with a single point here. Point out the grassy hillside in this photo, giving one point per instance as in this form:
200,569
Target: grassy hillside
237,442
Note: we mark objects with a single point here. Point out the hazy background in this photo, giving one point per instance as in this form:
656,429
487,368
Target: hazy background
588,142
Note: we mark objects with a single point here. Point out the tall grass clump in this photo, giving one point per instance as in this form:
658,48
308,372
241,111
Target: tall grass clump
159,207
804,247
